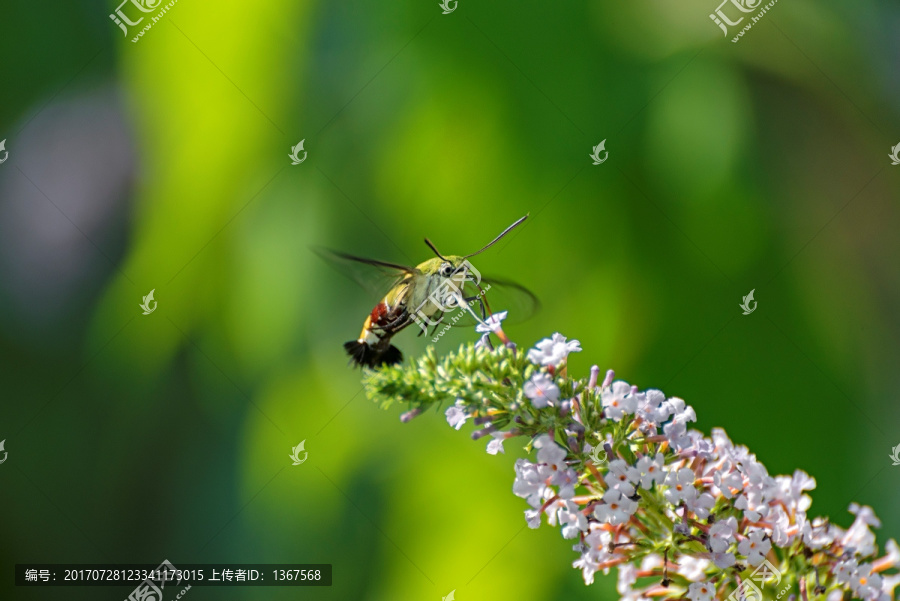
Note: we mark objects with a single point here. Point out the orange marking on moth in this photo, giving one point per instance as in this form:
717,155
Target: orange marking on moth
378,313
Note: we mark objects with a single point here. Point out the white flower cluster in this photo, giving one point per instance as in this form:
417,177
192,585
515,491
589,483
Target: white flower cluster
683,514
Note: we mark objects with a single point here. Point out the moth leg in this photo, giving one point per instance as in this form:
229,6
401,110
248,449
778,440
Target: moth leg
434,329
398,323
424,328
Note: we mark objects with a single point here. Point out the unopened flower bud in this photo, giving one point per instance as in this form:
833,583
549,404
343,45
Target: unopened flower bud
608,380
483,432
595,375
409,415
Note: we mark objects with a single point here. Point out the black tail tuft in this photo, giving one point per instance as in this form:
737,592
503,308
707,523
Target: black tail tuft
365,355
391,356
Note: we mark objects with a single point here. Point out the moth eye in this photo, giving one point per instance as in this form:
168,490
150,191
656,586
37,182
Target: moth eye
446,270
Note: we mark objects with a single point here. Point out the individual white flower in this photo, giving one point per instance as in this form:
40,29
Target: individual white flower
617,400
553,468
701,505
692,568
800,482
890,582
724,561
728,480
496,444
622,476
723,444
858,536
552,351
681,411
541,390
701,446
701,591
817,534
597,552
753,504
567,480
533,518
529,484
456,417
754,547
551,456
652,561
484,342
552,509
892,559
845,570
783,531
722,534
755,472
676,430
588,567
866,584
616,508
626,577
651,470
680,486
492,323
652,407
572,521
677,433
542,355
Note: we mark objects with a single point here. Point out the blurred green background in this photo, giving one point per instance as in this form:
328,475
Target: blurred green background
163,165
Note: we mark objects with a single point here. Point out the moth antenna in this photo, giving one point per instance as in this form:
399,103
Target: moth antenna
432,247
495,240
